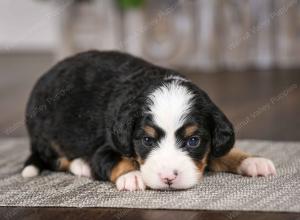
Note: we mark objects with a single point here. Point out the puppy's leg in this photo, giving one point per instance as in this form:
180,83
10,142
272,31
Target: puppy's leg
42,157
127,176
124,172
237,161
32,166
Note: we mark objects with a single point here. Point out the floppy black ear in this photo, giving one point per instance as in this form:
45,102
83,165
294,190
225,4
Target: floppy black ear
222,133
122,130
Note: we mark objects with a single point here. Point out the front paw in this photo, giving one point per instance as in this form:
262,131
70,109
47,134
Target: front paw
131,181
256,166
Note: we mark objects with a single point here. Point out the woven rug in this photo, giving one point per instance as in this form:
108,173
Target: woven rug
218,191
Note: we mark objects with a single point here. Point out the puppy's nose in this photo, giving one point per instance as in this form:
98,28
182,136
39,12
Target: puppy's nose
168,177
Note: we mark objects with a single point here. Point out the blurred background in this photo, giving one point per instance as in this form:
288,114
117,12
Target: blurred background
245,54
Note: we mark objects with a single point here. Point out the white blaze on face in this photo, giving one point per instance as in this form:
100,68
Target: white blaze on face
170,105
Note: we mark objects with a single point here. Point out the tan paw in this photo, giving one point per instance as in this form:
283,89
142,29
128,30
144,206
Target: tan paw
131,181
257,166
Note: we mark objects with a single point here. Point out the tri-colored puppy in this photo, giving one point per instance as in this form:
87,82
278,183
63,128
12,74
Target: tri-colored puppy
115,117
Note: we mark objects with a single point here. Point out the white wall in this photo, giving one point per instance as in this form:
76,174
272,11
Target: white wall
27,25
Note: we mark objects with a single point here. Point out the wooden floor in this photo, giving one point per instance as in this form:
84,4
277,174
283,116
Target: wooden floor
263,105
9,213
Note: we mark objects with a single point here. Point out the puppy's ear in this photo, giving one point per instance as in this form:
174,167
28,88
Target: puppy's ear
222,133
122,131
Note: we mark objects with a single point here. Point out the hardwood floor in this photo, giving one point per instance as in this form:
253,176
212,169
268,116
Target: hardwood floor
9,213
261,105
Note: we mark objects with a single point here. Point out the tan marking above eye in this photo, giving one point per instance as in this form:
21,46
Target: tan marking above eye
150,131
189,131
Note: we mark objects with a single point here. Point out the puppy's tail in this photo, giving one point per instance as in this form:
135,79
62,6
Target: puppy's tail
33,166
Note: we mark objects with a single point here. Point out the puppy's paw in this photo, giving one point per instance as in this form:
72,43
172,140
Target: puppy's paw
80,168
30,171
131,181
256,166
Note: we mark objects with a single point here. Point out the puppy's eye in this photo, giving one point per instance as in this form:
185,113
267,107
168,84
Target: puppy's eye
193,142
148,141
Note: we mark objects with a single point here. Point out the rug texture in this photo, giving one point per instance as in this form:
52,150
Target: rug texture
218,191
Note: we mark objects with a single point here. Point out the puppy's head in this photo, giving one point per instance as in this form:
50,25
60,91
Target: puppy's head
179,129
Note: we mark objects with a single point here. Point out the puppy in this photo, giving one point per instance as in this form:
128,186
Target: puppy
114,117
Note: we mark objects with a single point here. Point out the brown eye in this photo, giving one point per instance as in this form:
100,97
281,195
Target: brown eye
193,142
148,141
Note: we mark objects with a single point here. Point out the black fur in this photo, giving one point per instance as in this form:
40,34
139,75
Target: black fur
92,105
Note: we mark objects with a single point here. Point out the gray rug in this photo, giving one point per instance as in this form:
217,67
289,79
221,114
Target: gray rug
218,191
